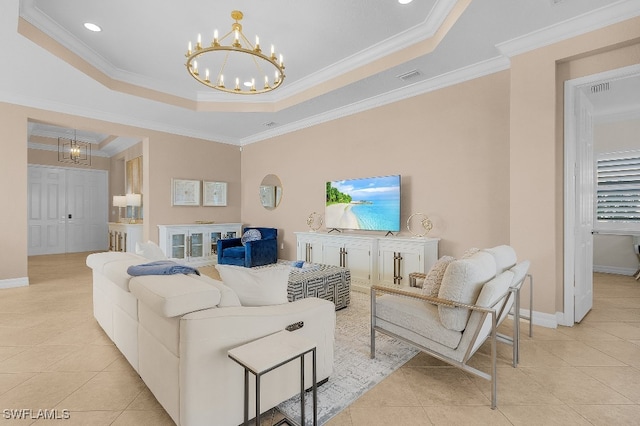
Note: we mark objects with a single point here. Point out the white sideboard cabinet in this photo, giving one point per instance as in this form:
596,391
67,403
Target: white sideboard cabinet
371,259
124,236
398,257
195,244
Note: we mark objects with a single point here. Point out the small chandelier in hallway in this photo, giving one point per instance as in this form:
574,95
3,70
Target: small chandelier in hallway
74,151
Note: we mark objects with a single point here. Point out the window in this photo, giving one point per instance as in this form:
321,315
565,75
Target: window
618,191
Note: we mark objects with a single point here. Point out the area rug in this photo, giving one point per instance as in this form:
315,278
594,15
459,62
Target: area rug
354,372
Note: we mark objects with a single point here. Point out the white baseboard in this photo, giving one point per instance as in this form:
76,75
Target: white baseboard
14,282
614,270
540,318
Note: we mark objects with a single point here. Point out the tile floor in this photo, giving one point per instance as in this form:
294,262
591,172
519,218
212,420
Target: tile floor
53,355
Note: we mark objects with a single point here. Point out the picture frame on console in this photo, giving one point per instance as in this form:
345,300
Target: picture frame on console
185,192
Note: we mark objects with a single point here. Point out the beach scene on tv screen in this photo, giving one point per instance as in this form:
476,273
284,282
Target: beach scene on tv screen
368,204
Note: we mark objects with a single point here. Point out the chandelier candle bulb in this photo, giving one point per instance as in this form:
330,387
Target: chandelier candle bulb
199,44
281,61
237,83
215,38
206,75
221,81
253,84
189,49
195,67
273,52
266,82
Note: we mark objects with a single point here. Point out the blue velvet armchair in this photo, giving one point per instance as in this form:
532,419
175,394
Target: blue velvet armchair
260,252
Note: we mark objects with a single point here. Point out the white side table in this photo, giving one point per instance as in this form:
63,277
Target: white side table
267,354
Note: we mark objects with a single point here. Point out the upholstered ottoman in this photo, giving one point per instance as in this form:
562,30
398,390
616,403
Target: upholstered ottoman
332,283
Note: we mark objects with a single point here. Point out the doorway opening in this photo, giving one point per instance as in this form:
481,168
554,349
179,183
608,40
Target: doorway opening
583,104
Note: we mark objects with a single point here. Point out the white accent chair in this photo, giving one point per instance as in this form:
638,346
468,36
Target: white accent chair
475,296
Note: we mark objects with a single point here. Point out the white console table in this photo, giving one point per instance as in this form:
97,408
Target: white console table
195,244
371,259
124,236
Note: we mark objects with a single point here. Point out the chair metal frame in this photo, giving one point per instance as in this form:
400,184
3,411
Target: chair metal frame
514,340
493,335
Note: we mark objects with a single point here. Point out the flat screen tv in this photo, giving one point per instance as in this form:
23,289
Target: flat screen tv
371,204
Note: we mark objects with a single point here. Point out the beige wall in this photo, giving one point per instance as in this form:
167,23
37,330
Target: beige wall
13,186
174,156
537,80
168,156
451,147
483,159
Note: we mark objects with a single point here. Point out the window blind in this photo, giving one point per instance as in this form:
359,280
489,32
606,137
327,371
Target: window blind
618,189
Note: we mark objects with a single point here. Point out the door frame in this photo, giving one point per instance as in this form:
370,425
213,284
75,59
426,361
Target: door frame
570,154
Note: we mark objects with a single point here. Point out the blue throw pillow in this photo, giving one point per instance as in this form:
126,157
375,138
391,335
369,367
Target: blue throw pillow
250,235
298,264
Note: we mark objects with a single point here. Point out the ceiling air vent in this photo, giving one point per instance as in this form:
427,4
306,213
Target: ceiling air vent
601,87
409,75
269,124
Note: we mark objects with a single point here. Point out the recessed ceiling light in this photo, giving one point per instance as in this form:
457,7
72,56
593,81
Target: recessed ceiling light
404,1
92,27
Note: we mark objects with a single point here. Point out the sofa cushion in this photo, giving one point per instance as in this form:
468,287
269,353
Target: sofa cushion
174,295
228,297
257,286
116,271
417,316
150,251
433,280
505,257
462,283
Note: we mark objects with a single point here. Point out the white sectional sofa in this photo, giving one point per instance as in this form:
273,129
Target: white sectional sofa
175,330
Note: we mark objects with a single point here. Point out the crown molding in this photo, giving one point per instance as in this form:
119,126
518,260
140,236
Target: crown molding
590,21
54,148
113,118
415,34
480,69
454,77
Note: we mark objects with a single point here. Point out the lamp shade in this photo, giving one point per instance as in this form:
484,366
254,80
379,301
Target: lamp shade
134,200
119,201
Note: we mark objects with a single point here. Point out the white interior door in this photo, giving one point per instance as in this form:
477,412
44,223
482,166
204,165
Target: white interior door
46,210
68,210
585,181
87,210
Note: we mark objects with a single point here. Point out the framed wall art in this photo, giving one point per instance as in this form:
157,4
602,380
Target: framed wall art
185,192
214,193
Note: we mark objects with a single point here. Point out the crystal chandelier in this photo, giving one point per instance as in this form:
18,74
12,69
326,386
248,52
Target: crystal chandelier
250,70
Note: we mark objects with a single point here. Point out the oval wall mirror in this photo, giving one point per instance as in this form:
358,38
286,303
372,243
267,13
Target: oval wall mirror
270,192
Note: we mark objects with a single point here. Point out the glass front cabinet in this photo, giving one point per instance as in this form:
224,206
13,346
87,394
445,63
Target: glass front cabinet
195,244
